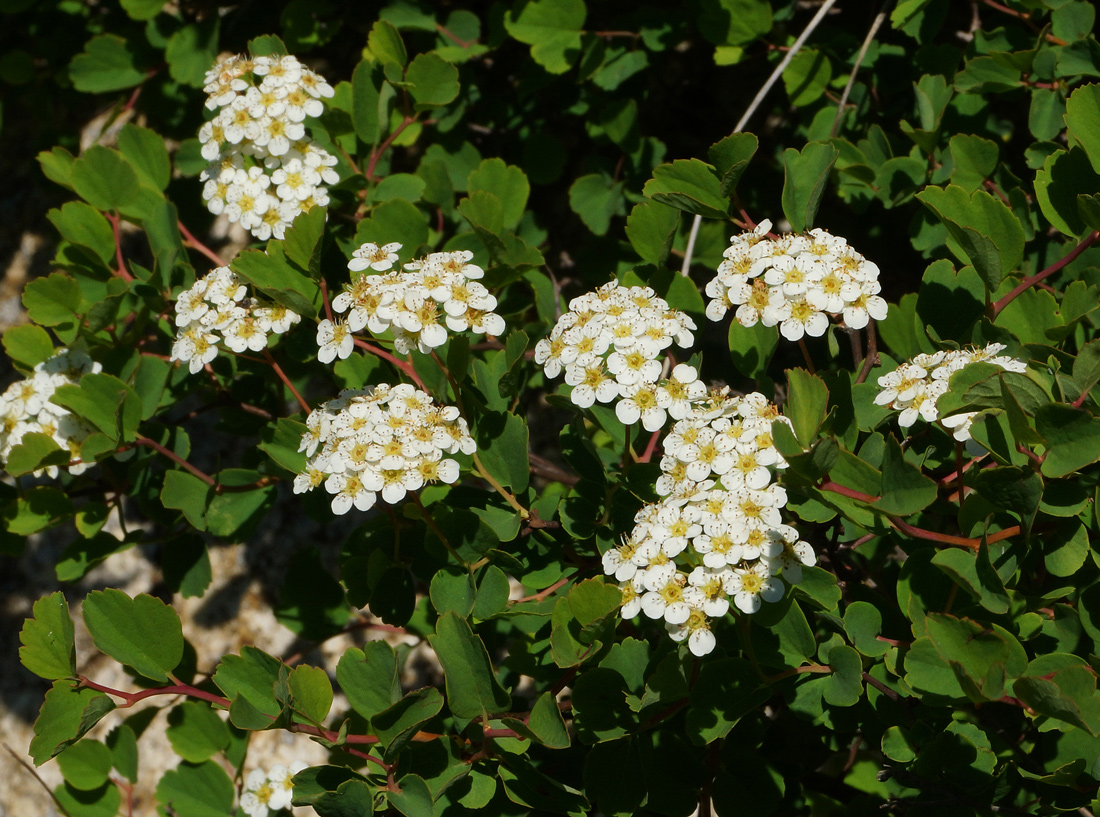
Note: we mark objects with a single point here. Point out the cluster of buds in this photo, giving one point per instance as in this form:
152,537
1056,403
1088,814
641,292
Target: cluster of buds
717,534
609,344
25,408
795,282
217,311
380,440
269,791
264,170
442,286
914,387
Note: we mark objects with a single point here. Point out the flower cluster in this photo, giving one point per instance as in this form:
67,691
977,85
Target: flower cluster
795,282
411,304
218,310
25,408
914,387
263,169
717,534
269,791
382,439
609,343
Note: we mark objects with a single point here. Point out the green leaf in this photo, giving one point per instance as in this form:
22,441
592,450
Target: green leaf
807,401
1073,438
142,9
863,624
975,160
106,64
1062,178
651,229
596,199
434,81
102,802
413,797
844,686
57,166
976,655
806,174
333,791
311,693
312,603
734,22
1083,121
251,677
185,492
472,688
600,709
396,725
146,153
807,76
395,220
85,765
48,639
502,442
452,588
984,75
54,300
690,185
544,725
727,690
730,157
370,678
196,732
142,632
83,225
267,45
272,276
1066,548
366,95
28,344
974,573
104,401
104,179
507,182
204,790
34,451
553,30
593,603
191,51
1069,695
384,42
66,715
37,509
528,787
983,230
752,347
303,241
905,490
281,444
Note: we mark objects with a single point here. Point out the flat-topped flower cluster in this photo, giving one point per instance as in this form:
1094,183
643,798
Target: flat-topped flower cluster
217,310
717,535
795,282
914,387
25,408
434,294
609,344
269,791
264,170
380,441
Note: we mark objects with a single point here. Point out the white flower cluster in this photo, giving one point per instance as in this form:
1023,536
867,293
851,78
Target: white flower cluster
609,343
218,310
382,439
263,169
269,791
914,387
795,282
25,408
442,286
717,535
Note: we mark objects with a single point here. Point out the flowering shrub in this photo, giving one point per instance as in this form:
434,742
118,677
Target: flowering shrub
612,513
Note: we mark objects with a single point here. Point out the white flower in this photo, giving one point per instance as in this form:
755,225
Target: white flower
335,341
749,587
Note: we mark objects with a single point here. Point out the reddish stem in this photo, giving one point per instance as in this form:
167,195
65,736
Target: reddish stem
198,246
122,272
651,446
1025,16
382,148
851,493
176,458
542,594
872,352
449,35
131,698
1039,276
404,365
286,381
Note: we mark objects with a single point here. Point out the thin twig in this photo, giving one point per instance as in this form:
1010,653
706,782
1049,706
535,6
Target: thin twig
756,100
1039,276
871,32
198,246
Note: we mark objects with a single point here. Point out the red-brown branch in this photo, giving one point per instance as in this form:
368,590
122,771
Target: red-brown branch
999,306
198,246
